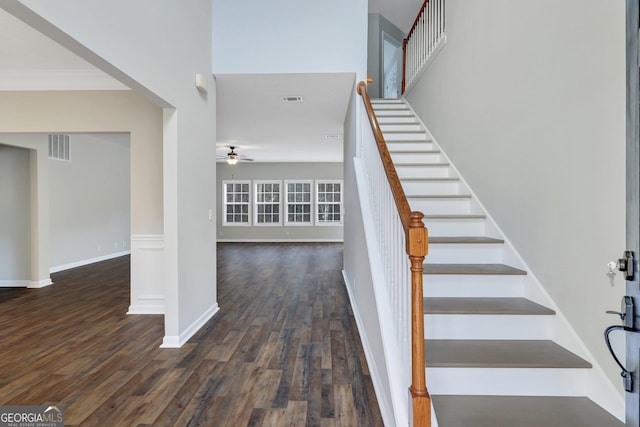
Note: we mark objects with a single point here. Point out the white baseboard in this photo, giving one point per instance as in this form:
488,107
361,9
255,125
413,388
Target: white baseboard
280,240
14,283
58,268
41,284
147,309
173,341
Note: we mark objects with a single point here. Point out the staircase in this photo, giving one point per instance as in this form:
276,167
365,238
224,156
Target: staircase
490,359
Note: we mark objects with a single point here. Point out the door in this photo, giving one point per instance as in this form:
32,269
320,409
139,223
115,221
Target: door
633,200
392,66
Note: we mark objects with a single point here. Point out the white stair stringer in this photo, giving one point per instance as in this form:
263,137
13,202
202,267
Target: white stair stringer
435,187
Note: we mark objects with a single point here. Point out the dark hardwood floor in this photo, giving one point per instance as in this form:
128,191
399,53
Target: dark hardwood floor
283,350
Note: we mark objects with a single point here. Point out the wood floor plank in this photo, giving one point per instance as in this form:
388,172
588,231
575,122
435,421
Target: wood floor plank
283,350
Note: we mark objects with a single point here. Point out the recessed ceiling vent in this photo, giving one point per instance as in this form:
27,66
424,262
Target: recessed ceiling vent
332,136
59,146
292,99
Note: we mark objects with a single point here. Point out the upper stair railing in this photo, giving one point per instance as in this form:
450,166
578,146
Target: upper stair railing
400,232
423,39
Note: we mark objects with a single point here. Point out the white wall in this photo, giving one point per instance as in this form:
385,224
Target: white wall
289,36
90,209
97,111
89,201
528,100
14,211
157,47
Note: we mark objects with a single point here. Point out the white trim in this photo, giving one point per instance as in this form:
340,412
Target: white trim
257,182
378,384
14,283
157,308
317,182
40,284
59,268
280,240
224,203
148,241
285,191
58,80
147,286
172,341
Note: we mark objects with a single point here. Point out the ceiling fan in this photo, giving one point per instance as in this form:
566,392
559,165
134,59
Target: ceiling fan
232,157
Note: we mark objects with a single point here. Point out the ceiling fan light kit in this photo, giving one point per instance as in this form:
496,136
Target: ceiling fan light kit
232,157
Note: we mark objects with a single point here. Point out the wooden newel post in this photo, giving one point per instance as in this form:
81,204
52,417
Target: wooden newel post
417,248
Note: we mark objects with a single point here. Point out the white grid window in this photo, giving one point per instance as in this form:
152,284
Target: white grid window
299,202
328,202
237,200
267,203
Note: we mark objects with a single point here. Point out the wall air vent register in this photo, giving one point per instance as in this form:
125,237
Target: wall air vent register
59,146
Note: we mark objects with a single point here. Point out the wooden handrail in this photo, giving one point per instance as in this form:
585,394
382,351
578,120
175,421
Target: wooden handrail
417,247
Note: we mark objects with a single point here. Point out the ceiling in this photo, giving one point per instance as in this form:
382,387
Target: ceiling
401,13
32,61
250,112
252,116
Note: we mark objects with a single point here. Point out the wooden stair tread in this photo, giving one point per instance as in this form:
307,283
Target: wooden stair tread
434,179
459,216
417,164
462,239
520,411
390,123
404,131
439,196
408,141
414,151
501,306
500,354
497,269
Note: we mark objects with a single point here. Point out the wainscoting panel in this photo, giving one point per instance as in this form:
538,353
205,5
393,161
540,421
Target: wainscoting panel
147,285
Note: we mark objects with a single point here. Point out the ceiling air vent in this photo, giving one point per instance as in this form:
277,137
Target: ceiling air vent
59,146
293,99
333,136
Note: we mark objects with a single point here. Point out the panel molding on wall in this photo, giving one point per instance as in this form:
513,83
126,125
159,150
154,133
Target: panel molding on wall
148,296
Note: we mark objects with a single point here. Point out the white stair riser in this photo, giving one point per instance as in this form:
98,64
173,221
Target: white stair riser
463,285
411,145
377,101
416,157
405,127
390,106
487,327
407,119
441,206
394,112
423,171
457,227
430,187
408,136
501,381
473,253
